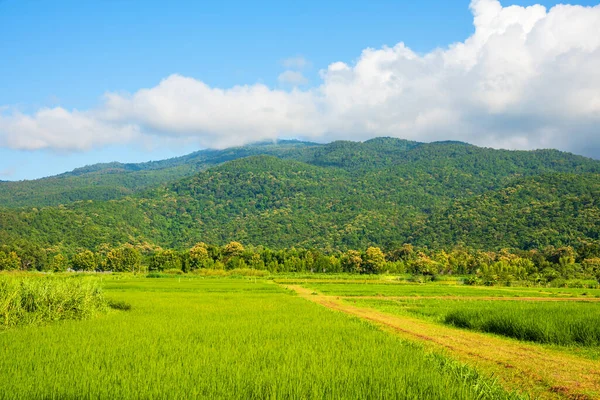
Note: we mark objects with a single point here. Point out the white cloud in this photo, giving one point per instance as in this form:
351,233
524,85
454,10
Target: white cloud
293,78
59,129
184,107
297,62
527,78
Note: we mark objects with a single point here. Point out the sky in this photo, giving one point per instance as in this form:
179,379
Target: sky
125,80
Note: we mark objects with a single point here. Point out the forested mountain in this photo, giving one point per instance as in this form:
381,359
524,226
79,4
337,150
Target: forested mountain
342,195
116,180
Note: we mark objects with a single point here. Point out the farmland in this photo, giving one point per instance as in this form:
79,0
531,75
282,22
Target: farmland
224,338
258,337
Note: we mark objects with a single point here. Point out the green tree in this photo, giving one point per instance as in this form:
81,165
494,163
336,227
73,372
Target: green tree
374,260
233,249
124,259
199,257
166,259
84,261
10,261
59,263
592,267
352,261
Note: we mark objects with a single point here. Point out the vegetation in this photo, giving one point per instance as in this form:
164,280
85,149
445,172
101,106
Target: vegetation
225,338
209,226
565,323
341,196
550,267
32,299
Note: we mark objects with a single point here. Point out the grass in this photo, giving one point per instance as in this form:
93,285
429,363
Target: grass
391,288
34,299
562,324
224,338
559,323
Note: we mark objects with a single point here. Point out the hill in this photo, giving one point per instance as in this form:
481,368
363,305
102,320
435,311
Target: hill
116,180
383,192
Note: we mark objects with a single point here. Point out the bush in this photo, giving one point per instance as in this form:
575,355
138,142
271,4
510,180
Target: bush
28,300
470,280
173,271
119,305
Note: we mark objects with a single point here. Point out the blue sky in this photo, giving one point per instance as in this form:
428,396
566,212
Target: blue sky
68,54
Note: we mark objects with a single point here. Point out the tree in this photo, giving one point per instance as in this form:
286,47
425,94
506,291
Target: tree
84,261
424,265
166,259
233,249
592,267
123,259
10,261
374,260
59,263
352,261
199,256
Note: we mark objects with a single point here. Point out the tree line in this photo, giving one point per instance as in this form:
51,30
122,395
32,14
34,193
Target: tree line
541,266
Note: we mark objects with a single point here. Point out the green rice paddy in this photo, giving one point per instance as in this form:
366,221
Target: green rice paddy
223,338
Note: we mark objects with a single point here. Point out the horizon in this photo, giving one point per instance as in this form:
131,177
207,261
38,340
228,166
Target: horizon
98,82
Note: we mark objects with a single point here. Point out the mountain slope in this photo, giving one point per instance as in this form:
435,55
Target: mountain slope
473,169
116,180
534,212
437,194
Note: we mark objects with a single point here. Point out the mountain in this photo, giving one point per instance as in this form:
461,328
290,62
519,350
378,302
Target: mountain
383,192
109,181
556,209
116,180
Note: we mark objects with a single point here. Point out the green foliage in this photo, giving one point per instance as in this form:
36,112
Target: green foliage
84,261
374,260
10,261
344,195
103,182
166,260
31,299
59,263
124,259
199,257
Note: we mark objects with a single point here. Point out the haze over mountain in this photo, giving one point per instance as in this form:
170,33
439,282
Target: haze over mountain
341,195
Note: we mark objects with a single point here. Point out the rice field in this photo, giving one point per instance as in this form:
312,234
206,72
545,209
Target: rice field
560,323
391,289
224,338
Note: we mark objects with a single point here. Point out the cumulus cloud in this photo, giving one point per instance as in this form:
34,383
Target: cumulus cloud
183,107
57,128
293,78
527,78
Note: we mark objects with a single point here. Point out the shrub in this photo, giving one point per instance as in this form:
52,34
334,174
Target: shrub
119,305
28,300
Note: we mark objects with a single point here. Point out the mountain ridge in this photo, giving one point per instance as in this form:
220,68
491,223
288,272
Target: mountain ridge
383,192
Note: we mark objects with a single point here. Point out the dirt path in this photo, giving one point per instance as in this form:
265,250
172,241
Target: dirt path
543,373
466,298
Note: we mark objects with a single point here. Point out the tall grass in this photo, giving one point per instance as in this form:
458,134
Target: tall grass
565,323
36,299
225,339
562,324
